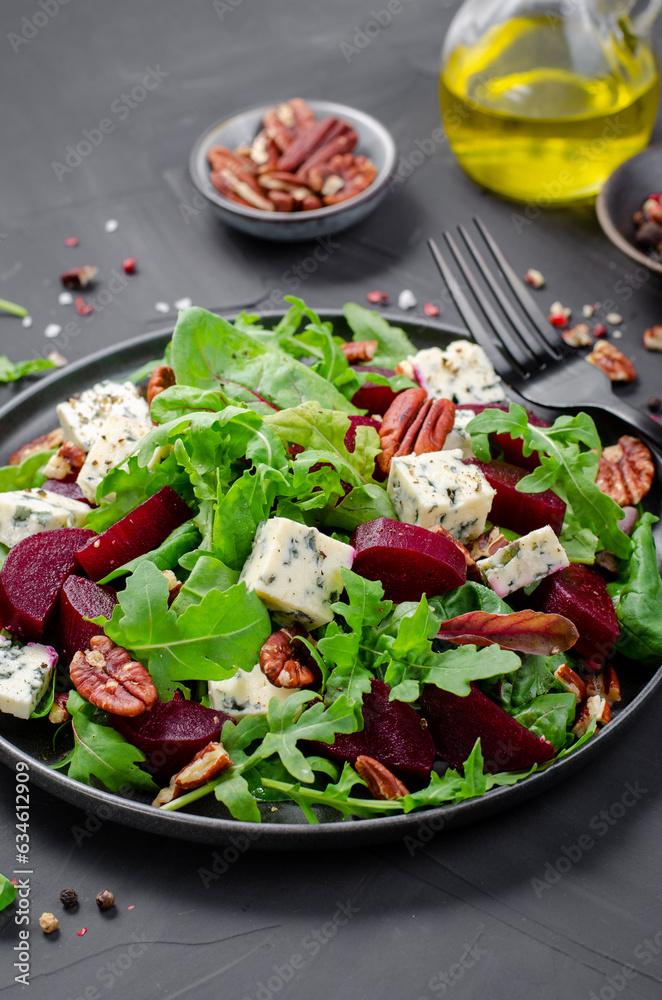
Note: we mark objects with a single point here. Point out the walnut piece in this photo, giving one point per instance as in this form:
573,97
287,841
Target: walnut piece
382,783
106,676
285,661
42,443
626,471
612,362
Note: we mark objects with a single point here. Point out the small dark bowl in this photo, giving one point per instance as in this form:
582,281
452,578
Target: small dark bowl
375,141
623,194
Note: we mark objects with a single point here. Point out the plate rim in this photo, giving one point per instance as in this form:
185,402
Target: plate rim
289,836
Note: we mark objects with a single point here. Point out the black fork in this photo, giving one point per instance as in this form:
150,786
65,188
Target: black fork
518,340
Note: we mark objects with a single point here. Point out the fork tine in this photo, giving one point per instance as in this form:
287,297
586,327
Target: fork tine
513,346
535,346
476,329
519,289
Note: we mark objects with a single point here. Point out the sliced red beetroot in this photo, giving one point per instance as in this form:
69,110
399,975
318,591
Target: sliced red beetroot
408,560
455,724
521,512
354,422
171,733
143,529
372,397
66,489
512,448
80,599
580,594
392,733
32,578
524,631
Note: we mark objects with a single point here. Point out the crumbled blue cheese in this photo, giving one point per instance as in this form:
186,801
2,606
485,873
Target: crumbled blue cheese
25,673
437,488
296,571
462,373
27,512
247,693
525,561
117,439
82,417
458,438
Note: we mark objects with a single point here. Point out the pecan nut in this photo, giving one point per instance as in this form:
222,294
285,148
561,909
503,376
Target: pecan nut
207,764
45,442
594,707
67,463
626,471
472,571
161,378
571,681
381,782
487,544
414,424
285,661
612,362
106,676
357,173
357,351
58,713
653,338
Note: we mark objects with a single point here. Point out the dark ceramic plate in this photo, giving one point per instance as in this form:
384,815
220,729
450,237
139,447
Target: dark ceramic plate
33,413
623,194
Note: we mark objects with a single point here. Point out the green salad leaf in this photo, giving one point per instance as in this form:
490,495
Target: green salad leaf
637,596
13,371
550,716
183,539
7,892
26,474
393,343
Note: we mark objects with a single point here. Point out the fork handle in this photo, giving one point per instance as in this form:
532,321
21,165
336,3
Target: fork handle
646,427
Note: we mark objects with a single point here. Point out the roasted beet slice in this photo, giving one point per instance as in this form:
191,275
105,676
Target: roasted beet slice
354,422
521,512
171,733
66,489
512,448
372,397
143,529
456,723
32,578
580,594
392,733
81,599
408,560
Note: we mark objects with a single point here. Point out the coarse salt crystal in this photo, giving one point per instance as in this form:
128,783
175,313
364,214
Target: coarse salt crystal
26,322
65,298
587,311
614,319
111,225
184,303
52,330
162,307
617,334
406,299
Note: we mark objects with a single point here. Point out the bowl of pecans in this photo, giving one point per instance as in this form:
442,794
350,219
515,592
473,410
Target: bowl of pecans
296,170
629,208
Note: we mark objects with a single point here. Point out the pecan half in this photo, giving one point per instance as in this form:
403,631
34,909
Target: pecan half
612,362
106,676
474,573
626,471
207,764
357,176
612,685
414,424
42,443
161,378
283,200
79,277
68,462
594,707
382,783
305,144
237,189
653,338
285,661
58,713
571,681
357,351
487,544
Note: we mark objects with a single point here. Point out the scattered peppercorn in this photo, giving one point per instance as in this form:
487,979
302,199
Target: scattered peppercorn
48,923
82,308
654,403
71,241
599,330
68,898
105,900
377,298
82,931
430,309
129,265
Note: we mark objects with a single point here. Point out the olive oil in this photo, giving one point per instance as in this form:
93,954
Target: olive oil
524,121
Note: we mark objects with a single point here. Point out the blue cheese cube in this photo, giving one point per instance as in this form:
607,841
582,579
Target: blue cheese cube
462,372
27,512
527,560
247,693
458,438
117,439
296,571
437,488
25,673
82,418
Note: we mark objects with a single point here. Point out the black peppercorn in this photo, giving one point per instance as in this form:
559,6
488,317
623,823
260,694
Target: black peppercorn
654,403
105,900
68,898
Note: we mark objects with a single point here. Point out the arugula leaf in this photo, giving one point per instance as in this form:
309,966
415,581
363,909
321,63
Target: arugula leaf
363,503
455,669
182,400
336,796
469,597
208,352
101,752
207,574
207,641
131,484
637,595
46,702
393,342
234,792
289,722
7,892
534,677
166,556
12,372
550,716
25,474
579,542
564,467
4,552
